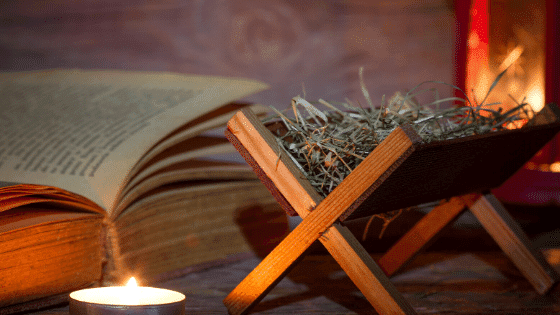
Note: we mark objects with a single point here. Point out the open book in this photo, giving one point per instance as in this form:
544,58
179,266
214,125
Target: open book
104,175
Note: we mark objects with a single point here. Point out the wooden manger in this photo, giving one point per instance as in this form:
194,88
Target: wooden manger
401,172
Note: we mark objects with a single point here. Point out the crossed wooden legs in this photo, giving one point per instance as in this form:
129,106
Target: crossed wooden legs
423,233
320,216
372,279
343,246
320,220
496,221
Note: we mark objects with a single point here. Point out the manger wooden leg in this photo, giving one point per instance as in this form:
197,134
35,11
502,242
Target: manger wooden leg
364,272
422,234
318,214
273,267
514,242
346,250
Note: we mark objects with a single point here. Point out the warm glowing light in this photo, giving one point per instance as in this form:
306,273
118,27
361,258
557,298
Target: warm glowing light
478,74
555,167
130,294
535,94
473,40
132,282
516,124
544,167
531,166
511,58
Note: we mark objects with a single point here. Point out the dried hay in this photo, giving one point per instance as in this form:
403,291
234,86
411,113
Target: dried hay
326,145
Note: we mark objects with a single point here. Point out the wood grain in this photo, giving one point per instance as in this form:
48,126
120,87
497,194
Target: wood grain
495,220
514,243
318,218
367,183
422,234
475,283
364,272
262,146
455,167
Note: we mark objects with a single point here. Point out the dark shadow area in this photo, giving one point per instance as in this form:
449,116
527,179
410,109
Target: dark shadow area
322,277
263,226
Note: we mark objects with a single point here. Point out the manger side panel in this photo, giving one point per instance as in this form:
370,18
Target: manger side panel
262,147
261,174
456,167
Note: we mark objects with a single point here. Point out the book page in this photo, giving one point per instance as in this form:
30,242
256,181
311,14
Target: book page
212,123
192,170
83,131
196,147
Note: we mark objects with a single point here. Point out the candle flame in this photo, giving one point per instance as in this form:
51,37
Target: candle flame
129,295
132,282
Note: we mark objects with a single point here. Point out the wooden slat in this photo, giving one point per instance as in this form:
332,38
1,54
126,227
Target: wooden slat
263,148
369,278
422,234
514,242
275,265
495,219
364,272
295,187
344,248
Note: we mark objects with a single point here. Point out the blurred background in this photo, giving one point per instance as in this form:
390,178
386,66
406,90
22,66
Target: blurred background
288,44
313,48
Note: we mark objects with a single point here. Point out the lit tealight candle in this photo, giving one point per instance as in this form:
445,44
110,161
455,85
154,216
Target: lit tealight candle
129,299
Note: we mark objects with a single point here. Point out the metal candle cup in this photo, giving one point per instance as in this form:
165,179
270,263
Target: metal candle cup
127,300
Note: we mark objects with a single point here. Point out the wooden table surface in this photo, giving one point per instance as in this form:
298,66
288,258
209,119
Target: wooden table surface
435,283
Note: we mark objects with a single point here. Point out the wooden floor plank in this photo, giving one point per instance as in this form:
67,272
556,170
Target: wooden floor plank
475,283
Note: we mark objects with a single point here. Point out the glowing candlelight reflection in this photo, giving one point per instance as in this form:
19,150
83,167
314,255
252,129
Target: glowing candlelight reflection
131,294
